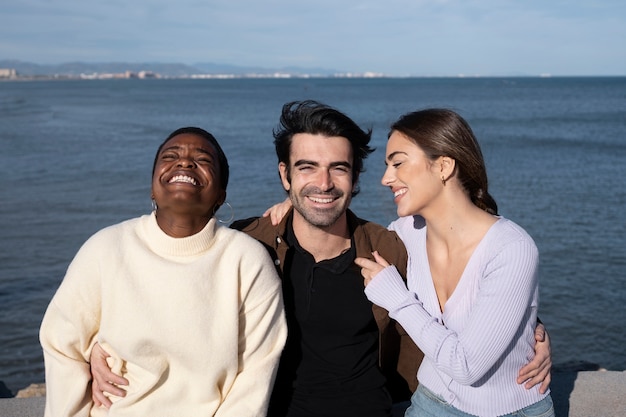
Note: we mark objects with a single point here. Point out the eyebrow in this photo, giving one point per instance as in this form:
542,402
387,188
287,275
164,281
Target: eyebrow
314,163
393,154
176,147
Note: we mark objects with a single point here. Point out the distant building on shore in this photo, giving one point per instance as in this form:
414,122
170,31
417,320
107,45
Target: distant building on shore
8,73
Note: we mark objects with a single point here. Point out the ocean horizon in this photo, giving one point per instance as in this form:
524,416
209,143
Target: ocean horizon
77,157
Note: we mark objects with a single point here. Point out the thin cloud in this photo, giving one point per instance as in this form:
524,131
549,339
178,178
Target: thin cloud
397,37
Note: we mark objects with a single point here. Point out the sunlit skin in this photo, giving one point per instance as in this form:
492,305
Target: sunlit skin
320,189
186,185
414,179
455,224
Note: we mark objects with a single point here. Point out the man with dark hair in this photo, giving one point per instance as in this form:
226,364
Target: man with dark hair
343,356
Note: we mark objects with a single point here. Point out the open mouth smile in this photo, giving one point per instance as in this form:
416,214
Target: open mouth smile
184,179
399,192
320,200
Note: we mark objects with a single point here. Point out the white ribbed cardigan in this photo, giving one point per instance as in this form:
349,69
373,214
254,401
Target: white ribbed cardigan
474,350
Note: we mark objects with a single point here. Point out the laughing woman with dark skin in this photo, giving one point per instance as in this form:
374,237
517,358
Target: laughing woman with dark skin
189,311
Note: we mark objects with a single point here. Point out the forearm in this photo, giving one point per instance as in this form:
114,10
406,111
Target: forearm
467,355
67,370
261,343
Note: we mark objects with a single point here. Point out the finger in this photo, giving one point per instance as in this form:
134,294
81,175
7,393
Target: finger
536,373
543,378
365,263
114,389
530,370
546,384
526,373
540,333
98,397
380,260
103,375
276,218
101,372
94,394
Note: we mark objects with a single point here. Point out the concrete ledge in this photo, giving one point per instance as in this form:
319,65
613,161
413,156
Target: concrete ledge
575,394
22,407
589,394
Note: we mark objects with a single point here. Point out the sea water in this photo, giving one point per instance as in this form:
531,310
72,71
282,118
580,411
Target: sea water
76,156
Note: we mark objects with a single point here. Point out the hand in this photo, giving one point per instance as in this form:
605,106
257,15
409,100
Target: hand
369,268
103,379
538,370
278,211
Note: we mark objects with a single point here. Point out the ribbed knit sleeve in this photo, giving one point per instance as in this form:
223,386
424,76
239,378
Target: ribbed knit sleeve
483,333
195,324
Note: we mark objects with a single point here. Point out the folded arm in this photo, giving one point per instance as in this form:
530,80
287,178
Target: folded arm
464,358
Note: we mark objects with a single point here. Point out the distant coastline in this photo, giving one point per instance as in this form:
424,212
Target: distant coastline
150,75
20,70
14,70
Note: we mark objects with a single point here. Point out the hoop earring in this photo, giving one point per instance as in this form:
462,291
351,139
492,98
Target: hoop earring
154,205
232,214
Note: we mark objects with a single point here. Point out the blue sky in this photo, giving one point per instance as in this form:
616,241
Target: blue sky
394,37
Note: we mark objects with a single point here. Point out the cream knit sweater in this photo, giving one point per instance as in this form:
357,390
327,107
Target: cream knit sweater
198,321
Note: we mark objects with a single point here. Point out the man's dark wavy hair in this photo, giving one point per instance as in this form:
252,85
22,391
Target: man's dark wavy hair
316,118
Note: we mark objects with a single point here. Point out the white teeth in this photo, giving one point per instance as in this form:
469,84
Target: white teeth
321,200
399,192
183,178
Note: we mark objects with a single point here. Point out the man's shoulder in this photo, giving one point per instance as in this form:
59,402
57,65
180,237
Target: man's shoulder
260,228
367,226
374,233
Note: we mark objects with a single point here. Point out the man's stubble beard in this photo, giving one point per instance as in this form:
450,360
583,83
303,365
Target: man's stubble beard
319,217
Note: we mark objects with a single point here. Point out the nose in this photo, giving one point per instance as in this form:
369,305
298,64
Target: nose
186,162
387,178
325,180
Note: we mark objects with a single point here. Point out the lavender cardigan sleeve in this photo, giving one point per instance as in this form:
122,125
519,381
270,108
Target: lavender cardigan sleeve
498,292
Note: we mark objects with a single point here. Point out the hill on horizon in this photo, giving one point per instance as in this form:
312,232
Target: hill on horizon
165,69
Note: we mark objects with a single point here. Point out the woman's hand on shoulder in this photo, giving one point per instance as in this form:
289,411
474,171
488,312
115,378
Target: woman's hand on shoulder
369,268
278,211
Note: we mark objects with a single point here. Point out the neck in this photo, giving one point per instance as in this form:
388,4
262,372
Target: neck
457,223
322,242
180,226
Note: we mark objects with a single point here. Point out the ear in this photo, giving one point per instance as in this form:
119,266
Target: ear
282,170
447,166
221,198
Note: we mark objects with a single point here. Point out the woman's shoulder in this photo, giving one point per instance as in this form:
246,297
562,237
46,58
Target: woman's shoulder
117,229
505,235
507,229
408,224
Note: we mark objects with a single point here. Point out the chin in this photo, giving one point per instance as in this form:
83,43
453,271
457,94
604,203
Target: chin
403,212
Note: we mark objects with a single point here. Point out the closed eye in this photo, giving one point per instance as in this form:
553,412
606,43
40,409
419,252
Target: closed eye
169,156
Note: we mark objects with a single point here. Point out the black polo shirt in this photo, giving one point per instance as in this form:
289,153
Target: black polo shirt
330,362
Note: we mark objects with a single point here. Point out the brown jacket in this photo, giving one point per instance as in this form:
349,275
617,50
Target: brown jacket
399,356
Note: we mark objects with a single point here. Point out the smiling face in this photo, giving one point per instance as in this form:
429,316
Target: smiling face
414,179
319,179
186,176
